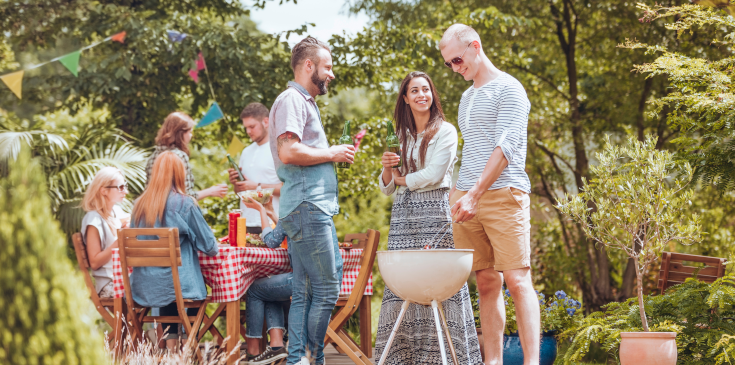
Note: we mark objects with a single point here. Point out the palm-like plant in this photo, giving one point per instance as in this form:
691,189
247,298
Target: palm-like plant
71,162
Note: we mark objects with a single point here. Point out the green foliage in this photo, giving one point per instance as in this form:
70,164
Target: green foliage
635,204
144,79
70,161
560,312
565,54
45,310
702,315
701,102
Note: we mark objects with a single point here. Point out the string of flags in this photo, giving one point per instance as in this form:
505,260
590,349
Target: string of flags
14,80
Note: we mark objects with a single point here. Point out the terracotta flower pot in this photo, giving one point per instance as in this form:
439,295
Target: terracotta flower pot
651,348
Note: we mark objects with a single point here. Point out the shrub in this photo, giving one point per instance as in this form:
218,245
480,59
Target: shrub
44,318
702,314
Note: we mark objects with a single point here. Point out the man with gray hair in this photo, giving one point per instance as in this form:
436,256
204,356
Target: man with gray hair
305,163
490,202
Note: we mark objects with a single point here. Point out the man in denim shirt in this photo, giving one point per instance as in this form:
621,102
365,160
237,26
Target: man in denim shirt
305,163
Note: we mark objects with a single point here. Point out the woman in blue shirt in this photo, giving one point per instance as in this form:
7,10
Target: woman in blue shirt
164,203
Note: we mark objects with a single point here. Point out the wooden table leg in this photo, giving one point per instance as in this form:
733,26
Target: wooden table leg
118,330
366,329
233,331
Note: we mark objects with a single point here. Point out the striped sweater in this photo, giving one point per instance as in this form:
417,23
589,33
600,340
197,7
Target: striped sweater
494,115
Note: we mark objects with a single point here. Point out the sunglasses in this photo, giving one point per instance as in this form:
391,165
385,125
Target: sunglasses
457,60
121,188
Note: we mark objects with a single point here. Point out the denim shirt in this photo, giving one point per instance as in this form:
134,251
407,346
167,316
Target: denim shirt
295,111
153,286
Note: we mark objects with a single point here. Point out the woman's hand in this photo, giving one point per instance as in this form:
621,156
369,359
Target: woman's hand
254,204
219,190
398,179
389,160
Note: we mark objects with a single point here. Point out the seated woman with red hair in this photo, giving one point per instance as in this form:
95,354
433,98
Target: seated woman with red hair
165,203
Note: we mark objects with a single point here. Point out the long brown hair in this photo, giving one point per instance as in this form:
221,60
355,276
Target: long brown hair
406,125
168,174
173,129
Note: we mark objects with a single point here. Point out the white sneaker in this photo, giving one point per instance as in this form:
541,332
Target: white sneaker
304,361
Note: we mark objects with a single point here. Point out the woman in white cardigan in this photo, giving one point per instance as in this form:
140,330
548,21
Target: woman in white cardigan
420,211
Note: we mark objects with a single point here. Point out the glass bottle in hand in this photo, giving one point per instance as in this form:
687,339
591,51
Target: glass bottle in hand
345,139
394,145
234,166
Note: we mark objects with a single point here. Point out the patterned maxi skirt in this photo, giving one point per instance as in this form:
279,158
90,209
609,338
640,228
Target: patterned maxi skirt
415,219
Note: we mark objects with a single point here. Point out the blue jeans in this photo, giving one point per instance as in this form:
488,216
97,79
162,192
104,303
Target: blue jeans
264,301
317,276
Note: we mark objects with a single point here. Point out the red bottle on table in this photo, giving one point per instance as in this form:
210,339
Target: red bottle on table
232,236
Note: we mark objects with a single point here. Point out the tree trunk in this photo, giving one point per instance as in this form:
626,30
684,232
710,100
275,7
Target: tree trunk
642,309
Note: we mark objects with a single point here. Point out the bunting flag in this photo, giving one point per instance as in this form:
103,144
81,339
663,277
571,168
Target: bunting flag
235,147
71,61
194,75
14,81
200,62
358,138
176,37
213,114
119,37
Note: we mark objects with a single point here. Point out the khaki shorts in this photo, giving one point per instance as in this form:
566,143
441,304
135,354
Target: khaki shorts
500,232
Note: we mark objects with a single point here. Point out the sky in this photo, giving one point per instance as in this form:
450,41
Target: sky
329,16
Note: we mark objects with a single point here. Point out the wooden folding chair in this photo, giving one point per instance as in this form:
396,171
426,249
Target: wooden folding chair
105,306
673,271
161,252
348,306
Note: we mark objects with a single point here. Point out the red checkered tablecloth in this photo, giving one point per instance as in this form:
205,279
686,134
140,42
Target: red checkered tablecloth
231,272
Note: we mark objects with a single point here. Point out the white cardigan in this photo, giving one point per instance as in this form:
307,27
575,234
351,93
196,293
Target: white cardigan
436,172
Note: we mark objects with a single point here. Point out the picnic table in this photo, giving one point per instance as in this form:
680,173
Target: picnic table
231,272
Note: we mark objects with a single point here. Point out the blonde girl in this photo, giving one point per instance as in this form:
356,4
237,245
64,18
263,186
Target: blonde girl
101,222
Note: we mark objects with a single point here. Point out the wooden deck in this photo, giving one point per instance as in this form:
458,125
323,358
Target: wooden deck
332,357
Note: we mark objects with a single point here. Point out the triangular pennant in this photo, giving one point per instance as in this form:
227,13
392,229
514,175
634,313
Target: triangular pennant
358,138
194,74
176,37
119,37
200,62
213,114
235,146
14,81
71,61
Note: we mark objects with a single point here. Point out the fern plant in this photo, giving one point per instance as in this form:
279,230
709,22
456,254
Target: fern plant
702,315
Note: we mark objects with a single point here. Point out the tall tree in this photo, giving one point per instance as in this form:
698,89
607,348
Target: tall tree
566,54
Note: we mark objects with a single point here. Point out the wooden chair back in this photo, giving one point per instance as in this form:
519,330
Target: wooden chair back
361,238
674,271
164,251
81,251
369,243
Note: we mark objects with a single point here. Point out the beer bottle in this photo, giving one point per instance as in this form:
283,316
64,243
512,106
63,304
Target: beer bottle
394,145
345,139
234,166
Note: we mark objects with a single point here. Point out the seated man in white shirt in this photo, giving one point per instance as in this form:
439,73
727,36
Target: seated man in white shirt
256,164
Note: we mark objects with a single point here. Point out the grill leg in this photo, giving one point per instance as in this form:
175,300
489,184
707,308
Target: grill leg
446,333
439,331
404,307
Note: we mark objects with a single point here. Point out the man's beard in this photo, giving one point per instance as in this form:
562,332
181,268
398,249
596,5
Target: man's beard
320,84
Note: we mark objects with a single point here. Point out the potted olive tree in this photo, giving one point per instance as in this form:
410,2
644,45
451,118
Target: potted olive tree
636,203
